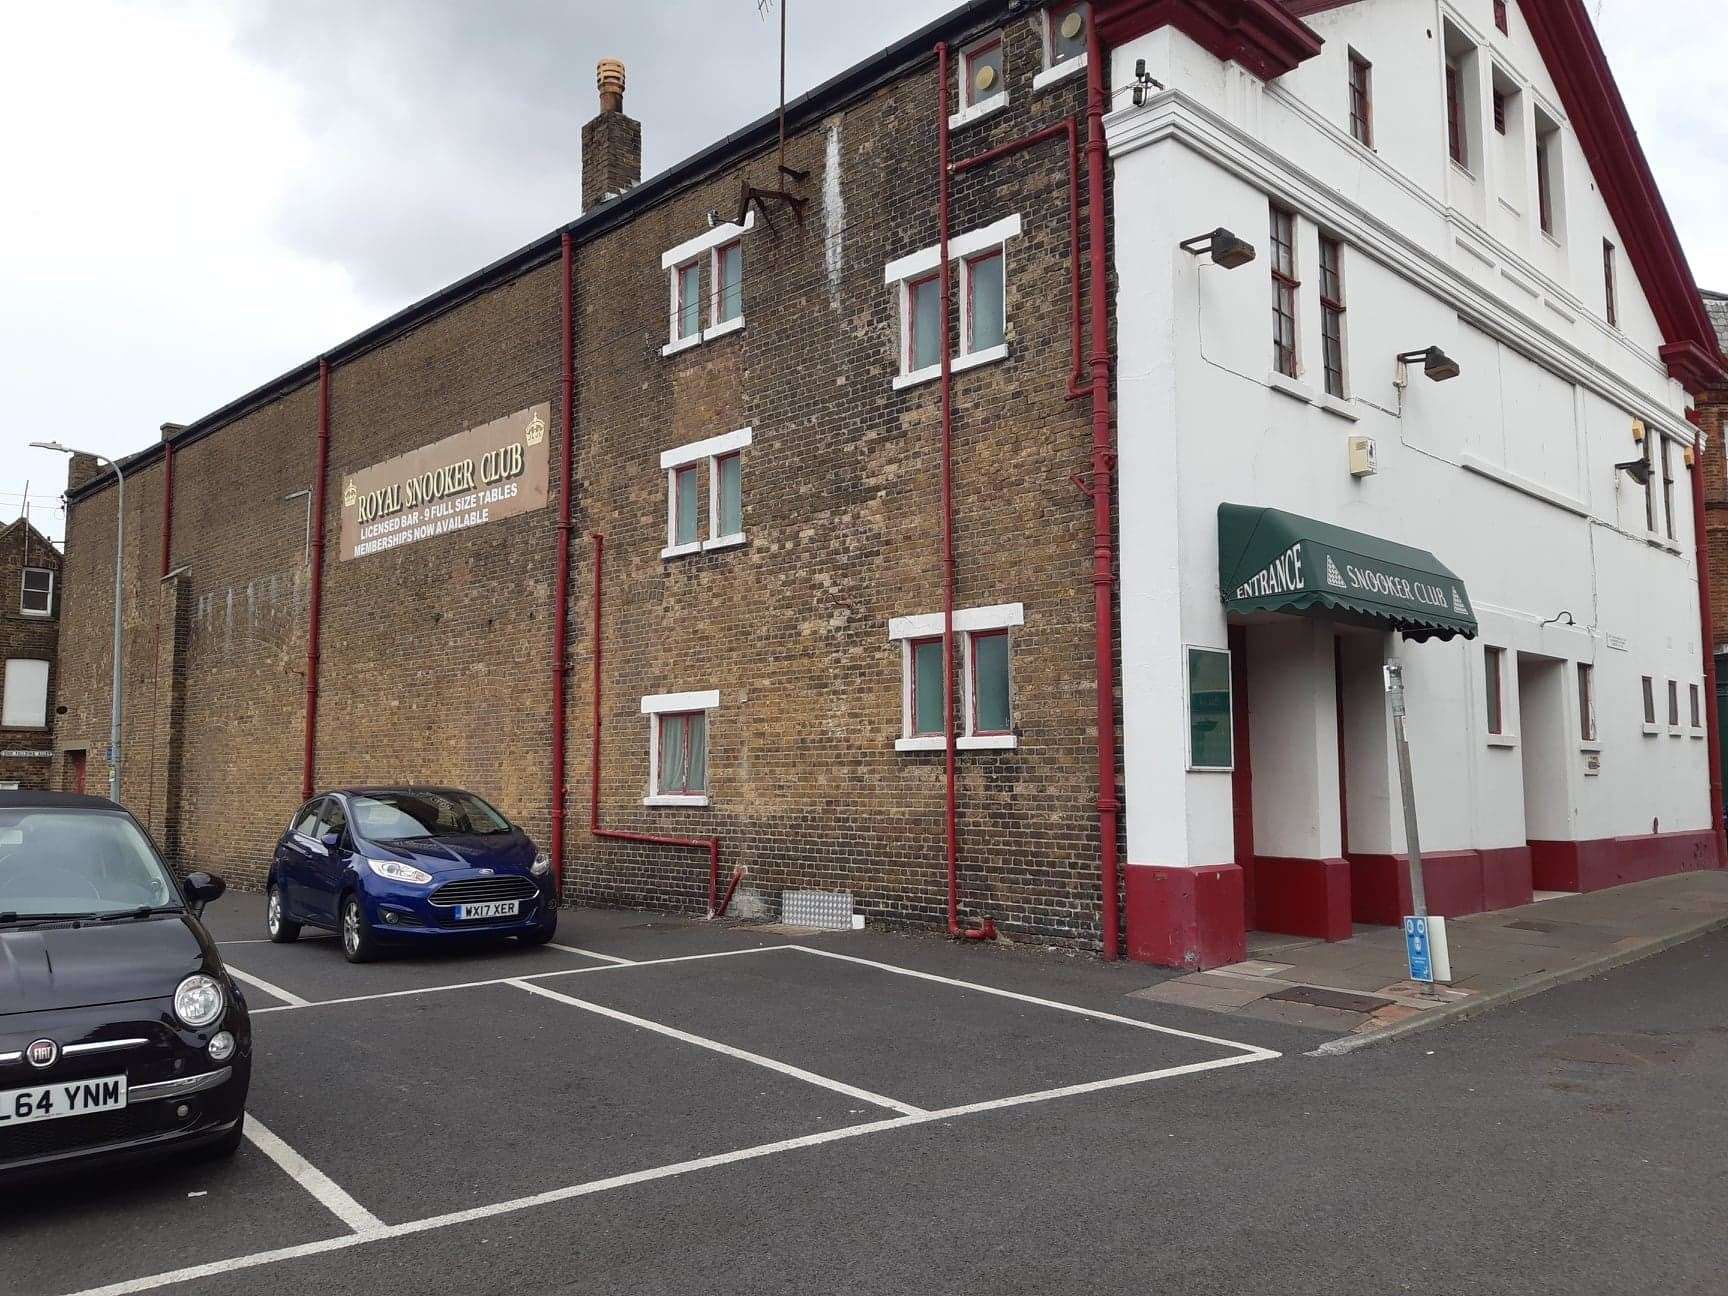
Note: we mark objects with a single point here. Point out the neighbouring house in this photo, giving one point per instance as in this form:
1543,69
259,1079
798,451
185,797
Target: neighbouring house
998,503
30,596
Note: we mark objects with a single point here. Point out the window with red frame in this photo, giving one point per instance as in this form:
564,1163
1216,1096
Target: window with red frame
1545,143
992,706
685,493
981,73
683,744
1284,289
1455,137
1065,31
1332,313
687,301
986,322
923,323
1500,19
1493,663
926,704
1610,292
1361,99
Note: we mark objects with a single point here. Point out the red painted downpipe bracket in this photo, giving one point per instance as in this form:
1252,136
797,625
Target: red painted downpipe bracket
1103,464
709,844
1706,638
561,579
167,503
315,596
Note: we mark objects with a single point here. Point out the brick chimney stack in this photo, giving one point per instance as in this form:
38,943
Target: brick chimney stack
82,468
611,143
172,430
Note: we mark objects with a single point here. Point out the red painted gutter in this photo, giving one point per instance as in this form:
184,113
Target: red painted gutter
167,502
1103,466
1706,638
716,908
561,582
315,599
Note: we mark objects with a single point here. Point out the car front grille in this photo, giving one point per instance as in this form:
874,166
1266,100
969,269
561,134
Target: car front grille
70,1133
483,889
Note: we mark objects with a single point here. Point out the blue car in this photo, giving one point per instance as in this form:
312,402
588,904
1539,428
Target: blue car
420,865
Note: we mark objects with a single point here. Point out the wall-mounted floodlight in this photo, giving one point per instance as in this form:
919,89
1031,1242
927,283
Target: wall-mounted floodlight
1143,82
1435,363
1227,250
1637,469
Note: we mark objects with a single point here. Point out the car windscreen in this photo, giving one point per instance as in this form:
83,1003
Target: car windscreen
398,816
78,863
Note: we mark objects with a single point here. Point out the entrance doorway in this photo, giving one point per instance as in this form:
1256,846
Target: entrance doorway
75,771
1542,739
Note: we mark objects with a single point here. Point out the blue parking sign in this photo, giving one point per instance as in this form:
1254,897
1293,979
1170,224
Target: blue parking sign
1417,950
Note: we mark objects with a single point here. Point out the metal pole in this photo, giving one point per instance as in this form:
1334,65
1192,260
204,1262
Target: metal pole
116,685
1406,786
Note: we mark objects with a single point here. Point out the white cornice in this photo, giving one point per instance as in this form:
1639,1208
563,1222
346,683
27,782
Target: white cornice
1174,116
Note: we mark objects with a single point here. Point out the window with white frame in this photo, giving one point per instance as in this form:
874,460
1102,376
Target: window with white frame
678,747
982,284
983,651
1064,41
24,696
1649,704
721,459
1666,455
1697,697
983,80
722,249
1674,706
36,597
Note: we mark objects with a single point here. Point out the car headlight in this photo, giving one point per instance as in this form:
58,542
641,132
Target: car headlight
398,872
199,1000
542,865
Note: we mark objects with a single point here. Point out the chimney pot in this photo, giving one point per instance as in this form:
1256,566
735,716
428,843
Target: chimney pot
609,77
611,142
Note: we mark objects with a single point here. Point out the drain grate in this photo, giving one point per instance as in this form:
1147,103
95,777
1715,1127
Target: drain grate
1319,998
826,910
1537,925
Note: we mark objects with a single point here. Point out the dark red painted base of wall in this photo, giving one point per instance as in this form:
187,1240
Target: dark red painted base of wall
1612,861
1185,917
1455,882
1302,897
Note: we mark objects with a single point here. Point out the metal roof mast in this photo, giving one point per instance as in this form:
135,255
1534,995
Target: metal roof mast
751,194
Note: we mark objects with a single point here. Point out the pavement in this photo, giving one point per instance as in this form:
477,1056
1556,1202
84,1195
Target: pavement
661,1106
1360,988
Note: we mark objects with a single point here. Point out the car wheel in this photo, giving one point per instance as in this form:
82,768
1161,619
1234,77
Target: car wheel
281,930
358,943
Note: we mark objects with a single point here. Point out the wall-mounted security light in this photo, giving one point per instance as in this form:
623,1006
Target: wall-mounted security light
1227,250
1637,469
1435,363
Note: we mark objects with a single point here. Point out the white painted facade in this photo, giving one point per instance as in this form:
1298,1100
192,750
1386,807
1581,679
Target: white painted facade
1505,473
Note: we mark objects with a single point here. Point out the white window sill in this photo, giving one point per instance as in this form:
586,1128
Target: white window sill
37,616
1675,731
923,742
978,112
721,330
959,364
1290,387
681,344
987,742
1650,730
678,551
1502,740
1558,245
1696,733
1590,748
1060,73
670,800
1462,170
724,542
1338,407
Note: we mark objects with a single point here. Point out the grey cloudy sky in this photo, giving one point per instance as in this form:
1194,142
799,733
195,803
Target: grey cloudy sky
204,193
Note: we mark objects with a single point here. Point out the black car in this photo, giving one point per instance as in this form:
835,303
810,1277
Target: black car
121,1034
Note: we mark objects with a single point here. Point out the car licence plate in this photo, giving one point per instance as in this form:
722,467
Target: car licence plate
492,909
68,1098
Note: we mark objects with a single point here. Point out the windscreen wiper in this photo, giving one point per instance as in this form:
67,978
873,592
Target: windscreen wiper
142,911
13,916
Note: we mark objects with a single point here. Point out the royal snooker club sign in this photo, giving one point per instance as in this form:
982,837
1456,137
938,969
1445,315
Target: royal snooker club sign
485,474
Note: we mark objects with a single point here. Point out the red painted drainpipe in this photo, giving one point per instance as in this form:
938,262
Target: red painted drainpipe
561,582
986,930
315,601
167,502
1712,732
716,907
1103,466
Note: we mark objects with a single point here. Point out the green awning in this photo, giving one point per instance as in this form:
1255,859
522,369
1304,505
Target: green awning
1272,561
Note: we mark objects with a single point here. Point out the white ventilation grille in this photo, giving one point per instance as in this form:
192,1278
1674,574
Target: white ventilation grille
829,910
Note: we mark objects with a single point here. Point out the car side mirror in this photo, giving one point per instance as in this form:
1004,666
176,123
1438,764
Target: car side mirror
202,888
330,840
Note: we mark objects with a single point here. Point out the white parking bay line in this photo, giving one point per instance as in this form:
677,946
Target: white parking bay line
312,1179
593,954
797,1073
275,991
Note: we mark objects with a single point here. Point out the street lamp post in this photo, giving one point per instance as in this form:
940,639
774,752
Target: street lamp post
119,554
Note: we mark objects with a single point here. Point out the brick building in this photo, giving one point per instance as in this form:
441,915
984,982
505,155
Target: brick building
650,531
30,596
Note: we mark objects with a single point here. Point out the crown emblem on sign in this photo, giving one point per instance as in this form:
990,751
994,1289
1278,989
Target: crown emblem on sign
1334,577
535,432
349,494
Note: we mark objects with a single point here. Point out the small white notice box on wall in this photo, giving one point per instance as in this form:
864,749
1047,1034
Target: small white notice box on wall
1425,949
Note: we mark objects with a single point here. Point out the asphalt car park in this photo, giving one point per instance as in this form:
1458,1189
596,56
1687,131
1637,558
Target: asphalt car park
481,1089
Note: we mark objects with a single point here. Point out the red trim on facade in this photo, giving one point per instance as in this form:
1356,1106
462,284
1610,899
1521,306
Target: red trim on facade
1261,35
1613,861
1455,883
1185,917
1242,769
1302,897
